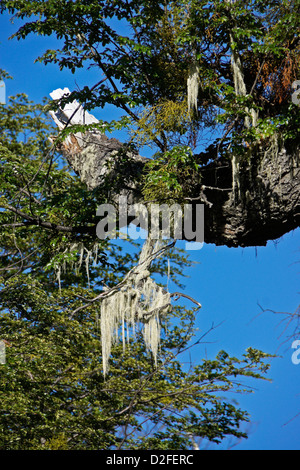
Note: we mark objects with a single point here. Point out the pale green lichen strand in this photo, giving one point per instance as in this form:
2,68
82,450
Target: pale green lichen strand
141,301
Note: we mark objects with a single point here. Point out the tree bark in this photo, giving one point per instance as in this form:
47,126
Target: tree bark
268,206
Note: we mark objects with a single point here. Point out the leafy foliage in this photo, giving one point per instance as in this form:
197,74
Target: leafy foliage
53,393
144,51
170,176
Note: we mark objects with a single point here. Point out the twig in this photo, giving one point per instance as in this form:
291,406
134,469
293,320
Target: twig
180,294
33,220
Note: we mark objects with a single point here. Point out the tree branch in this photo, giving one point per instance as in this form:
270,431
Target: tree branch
35,220
268,206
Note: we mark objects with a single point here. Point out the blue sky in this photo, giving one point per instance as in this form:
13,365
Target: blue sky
230,283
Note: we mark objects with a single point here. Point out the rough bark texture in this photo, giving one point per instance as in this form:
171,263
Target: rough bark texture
97,160
269,204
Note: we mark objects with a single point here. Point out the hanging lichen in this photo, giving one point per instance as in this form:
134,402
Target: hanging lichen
193,82
139,300
251,116
72,259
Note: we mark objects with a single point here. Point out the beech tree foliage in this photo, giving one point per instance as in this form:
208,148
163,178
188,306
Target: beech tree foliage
207,86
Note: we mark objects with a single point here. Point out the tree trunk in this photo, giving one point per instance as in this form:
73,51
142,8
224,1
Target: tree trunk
269,184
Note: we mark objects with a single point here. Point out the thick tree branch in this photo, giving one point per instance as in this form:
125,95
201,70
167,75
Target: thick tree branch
269,203
35,220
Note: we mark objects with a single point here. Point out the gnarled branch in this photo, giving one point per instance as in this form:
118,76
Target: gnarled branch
269,203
